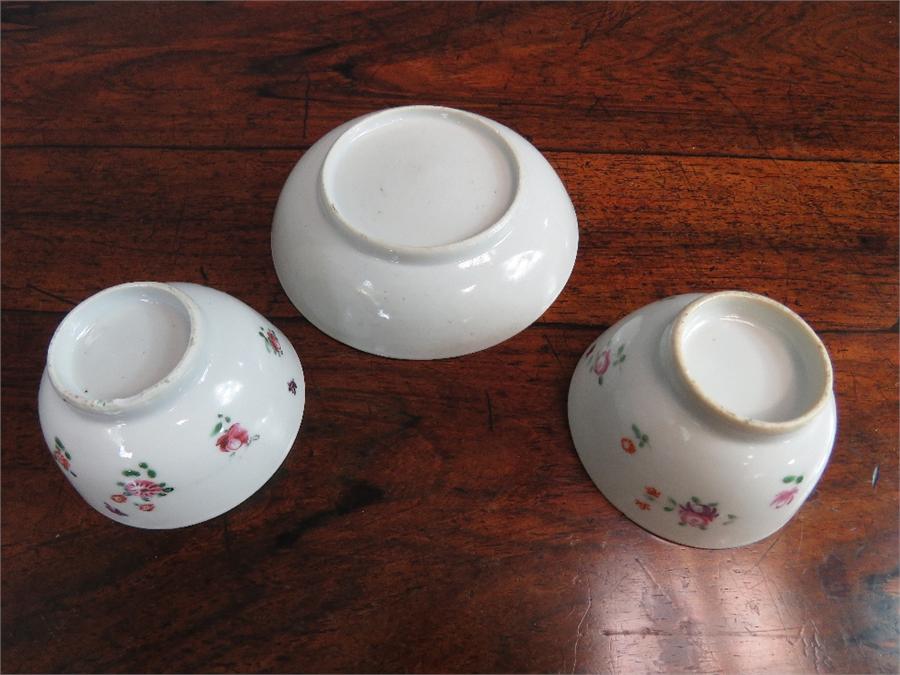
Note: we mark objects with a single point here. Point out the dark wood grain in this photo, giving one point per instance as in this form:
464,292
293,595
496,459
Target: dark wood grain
433,516
766,79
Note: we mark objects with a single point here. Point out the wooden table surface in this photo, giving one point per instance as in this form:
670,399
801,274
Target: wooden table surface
433,516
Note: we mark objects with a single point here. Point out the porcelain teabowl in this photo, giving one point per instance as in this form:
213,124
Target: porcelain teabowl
423,232
705,419
168,404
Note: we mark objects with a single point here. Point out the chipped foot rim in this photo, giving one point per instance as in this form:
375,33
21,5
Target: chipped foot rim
168,404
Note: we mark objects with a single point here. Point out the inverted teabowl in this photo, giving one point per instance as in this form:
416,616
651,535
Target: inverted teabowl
168,404
705,419
423,232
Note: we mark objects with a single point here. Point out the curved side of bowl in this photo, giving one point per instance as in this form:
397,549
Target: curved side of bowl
661,462
200,453
425,309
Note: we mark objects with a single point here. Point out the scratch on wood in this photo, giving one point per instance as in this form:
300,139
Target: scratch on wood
763,556
51,295
578,632
552,350
653,580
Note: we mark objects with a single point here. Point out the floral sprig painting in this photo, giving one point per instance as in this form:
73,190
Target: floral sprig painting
600,361
232,436
785,497
142,488
273,344
642,439
63,457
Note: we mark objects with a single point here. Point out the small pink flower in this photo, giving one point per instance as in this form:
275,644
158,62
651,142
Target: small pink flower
697,515
784,498
234,438
142,488
652,492
602,364
273,340
628,446
146,507
118,498
61,458
643,506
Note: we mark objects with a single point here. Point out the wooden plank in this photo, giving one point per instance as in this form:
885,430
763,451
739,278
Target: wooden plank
819,236
396,538
753,79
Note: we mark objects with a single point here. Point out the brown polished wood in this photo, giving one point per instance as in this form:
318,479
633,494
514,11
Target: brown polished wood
433,516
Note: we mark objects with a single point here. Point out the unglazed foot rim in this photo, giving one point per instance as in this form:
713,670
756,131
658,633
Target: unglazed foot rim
814,390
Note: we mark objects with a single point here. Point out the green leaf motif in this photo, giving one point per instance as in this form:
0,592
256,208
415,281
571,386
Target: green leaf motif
637,432
227,419
66,453
216,429
131,472
799,478
59,443
695,500
787,479
668,508
168,489
151,473
143,465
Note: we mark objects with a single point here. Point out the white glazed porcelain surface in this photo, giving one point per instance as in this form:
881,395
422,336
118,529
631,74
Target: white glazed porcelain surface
710,426
168,404
423,232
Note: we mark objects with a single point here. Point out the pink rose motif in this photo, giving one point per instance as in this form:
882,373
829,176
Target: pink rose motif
145,489
119,498
146,507
697,515
234,438
61,458
784,498
273,340
602,364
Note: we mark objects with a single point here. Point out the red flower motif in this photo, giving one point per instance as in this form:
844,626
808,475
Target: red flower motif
118,498
142,488
628,446
643,506
62,459
146,507
784,498
652,492
273,340
602,363
697,515
234,438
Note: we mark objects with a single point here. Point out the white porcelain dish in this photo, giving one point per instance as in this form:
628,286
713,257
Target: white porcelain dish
423,232
168,404
706,419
